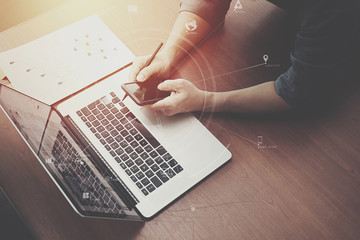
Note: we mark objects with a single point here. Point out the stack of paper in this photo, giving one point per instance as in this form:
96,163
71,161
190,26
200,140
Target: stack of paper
56,65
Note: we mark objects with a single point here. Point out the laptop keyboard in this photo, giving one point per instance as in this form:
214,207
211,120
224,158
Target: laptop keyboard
139,154
80,178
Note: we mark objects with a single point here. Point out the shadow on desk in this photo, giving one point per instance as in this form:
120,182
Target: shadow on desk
11,226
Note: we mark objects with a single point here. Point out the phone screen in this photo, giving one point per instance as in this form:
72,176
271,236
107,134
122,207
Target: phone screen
145,93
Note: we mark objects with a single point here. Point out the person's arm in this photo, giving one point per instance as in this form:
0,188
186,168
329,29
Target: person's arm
187,98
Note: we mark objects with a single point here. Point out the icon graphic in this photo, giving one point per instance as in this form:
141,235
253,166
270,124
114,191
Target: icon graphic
266,58
85,195
191,26
238,5
192,208
132,8
260,140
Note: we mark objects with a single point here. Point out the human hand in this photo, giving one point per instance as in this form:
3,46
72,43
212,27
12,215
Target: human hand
160,67
185,97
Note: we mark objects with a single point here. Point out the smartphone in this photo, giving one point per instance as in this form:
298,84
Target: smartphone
144,93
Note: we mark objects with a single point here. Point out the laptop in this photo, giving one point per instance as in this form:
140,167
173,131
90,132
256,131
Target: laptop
113,158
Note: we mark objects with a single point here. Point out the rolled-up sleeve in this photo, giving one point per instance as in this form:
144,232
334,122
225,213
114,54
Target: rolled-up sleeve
325,46
212,11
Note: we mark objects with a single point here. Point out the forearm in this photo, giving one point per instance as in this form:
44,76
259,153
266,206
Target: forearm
181,40
257,99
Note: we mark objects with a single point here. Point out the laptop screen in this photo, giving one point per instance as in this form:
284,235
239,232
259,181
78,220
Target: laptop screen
88,188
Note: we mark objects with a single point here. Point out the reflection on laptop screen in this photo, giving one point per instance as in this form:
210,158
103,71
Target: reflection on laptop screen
89,188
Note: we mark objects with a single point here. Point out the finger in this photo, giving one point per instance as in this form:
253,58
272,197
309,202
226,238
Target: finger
146,73
165,103
171,85
138,64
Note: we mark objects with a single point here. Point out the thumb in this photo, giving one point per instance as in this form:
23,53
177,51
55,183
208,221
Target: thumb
171,85
146,73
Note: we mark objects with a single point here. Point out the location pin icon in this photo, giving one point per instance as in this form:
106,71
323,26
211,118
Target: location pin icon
265,57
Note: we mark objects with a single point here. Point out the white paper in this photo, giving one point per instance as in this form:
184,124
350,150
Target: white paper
63,62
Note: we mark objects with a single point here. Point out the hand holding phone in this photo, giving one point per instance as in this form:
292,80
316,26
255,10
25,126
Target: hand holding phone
144,93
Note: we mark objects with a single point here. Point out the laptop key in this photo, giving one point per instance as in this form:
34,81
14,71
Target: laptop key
129,163
95,111
149,161
114,133
129,138
135,169
119,115
172,163
139,161
144,191
154,154
109,127
110,117
139,150
124,157
133,155
119,127
167,157
145,181
128,149
119,138
134,144
148,148
105,134
162,176
123,144
100,117
114,110
170,173
85,111
161,150
119,151
91,118
130,116
133,131
143,142
138,184
144,155
123,165
105,111
124,110
79,113
149,174
115,122
164,166
159,160
133,178
115,100
139,175
138,137
154,167
156,181
128,172
144,167
150,188
178,168
96,123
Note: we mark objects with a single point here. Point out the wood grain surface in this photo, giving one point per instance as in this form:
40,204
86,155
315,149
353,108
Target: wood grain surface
301,182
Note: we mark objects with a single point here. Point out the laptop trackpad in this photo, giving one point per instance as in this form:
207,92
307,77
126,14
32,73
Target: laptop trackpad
167,126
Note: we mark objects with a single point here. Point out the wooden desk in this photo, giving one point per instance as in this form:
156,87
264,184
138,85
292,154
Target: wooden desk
301,182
